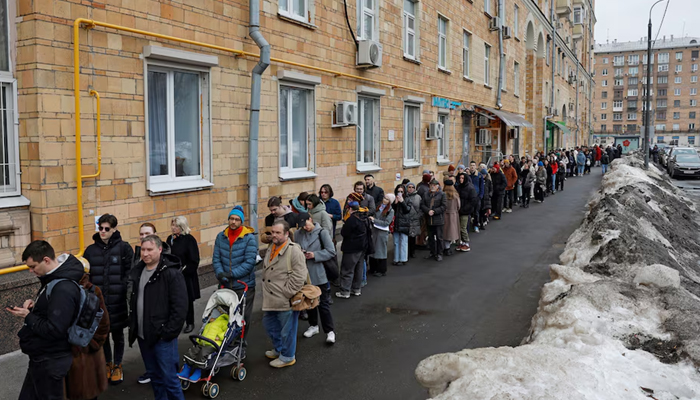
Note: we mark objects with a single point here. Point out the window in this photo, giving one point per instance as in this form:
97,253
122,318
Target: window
297,127
662,80
505,73
411,134
661,103
619,60
516,78
694,79
660,128
4,50
487,69
603,128
603,117
633,59
676,115
679,55
367,20
179,141
617,128
605,83
644,59
663,92
691,139
661,115
691,115
633,70
368,133
663,67
633,81
633,92
442,42
677,79
487,7
693,91
617,104
632,116
604,105
605,60
632,104
444,142
679,68
663,58
691,127
578,15
693,103
9,180
694,68
676,103
674,139
619,72
644,80
410,22
604,95
617,117
516,20
694,54
295,9
619,82
605,72
676,92
466,40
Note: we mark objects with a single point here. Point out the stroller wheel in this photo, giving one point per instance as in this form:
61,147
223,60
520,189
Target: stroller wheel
205,389
214,391
238,373
184,384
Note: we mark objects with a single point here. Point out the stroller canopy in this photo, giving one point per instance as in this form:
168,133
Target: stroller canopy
226,298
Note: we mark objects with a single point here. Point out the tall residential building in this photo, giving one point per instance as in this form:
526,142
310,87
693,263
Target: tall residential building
621,74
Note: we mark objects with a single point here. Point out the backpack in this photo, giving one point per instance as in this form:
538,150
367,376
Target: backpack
90,314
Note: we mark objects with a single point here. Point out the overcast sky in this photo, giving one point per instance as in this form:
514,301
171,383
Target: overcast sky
626,20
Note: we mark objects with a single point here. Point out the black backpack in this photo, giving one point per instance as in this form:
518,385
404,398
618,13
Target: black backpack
90,314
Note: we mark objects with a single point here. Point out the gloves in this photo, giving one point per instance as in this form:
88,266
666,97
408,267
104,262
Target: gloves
222,277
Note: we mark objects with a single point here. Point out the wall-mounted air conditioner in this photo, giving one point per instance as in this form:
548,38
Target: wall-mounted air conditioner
482,121
345,114
495,24
506,32
483,138
436,130
369,54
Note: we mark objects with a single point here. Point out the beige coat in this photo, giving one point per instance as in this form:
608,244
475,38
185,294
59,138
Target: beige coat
450,231
279,285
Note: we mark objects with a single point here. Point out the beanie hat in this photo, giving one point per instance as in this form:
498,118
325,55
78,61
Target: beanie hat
451,168
391,197
540,164
484,171
461,166
425,171
435,182
237,210
426,178
411,184
448,182
496,167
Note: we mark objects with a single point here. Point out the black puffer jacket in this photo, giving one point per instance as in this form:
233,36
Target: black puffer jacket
186,249
499,182
437,202
402,216
164,306
45,330
488,193
109,270
468,199
356,233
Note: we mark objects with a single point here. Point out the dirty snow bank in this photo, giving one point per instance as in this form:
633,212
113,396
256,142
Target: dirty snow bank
620,318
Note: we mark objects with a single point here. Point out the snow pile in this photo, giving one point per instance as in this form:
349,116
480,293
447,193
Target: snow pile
620,318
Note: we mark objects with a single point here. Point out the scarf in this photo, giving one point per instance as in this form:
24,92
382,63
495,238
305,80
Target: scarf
233,235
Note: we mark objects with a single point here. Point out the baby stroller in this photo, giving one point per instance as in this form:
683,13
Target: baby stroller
219,342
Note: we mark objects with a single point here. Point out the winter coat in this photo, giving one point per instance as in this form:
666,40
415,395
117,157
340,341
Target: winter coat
528,178
110,265
450,231
499,183
356,233
581,158
164,306
186,249
319,242
423,189
87,377
598,153
488,194
415,214
555,167
402,216
278,284
468,198
605,159
333,208
377,194
380,237
541,176
137,253
436,202
478,182
236,262
288,216
511,177
45,329
320,215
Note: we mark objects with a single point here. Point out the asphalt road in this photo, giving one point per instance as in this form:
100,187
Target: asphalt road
478,299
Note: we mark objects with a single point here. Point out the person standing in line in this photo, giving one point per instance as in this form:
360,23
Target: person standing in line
422,190
158,310
278,212
485,203
380,235
415,215
317,246
44,335
110,261
478,182
468,200
356,238
580,162
604,161
499,187
284,273
402,224
561,176
317,209
450,231
511,182
527,176
373,190
433,207
359,195
555,170
184,246
540,182
298,204
332,205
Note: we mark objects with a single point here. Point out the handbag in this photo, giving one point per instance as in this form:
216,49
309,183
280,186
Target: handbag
308,297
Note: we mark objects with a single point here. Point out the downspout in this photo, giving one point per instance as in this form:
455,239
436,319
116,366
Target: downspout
502,58
254,123
576,86
554,67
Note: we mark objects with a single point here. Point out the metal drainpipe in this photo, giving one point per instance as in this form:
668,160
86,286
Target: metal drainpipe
578,130
502,63
254,123
554,67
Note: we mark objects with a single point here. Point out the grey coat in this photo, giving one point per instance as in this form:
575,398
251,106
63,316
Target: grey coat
415,213
321,217
311,242
381,237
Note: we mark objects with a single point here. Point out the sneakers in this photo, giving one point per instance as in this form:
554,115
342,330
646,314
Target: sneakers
143,379
277,363
357,293
438,258
466,247
342,295
496,217
330,337
110,367
476,229
508,210
312,331
272,354
117,376
364,283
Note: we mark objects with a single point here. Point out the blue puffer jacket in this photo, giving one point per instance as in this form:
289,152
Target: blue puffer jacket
237,262
478,182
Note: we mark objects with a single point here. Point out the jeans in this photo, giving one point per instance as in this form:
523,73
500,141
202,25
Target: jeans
580,169
525,199
435,239
281,327
509,199
118,338
324,308
554,183
351,268
44,379
400,247
464,228
604,167
161,362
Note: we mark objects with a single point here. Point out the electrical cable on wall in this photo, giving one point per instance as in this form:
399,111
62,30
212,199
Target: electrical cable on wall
347,19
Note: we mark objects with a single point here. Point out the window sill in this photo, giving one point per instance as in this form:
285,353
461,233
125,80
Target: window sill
443,162
412,60
410,164
14,201
305,24
488,87
468,79
159,189
486,13
296,175
504,91
516,38
444,70
516,95
367,168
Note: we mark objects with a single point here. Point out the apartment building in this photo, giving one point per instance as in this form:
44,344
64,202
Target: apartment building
620,70
386,87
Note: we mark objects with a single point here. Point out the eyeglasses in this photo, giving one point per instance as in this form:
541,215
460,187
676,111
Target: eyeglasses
324,191
105,228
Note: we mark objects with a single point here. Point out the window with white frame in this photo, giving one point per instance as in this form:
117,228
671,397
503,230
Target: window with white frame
633,81
679,68
516,20
603,117
605,72
297,129
633,92
9,180
619,72
660,127
679,55
368,132
605,60
693,91
444,142
663,67
674,139
631,115
694,68
694,79
578,15
411,134
604,83
617,117
633,59
178,136
676,92
604,105
619,82
693,103
633,70
368,11
516,78
661,103
676,115
619,60
617,104
663,58
487,65
487,6
299,10
661,80
677,79
410,27
442,42
466,41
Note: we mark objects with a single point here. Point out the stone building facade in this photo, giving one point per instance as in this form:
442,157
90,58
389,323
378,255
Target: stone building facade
174,116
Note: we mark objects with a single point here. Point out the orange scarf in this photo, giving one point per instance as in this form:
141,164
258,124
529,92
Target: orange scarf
276,250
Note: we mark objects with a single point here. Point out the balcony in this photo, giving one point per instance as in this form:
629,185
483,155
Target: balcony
631,107
618,63
578,31
618,109
662,85
563,7
632,98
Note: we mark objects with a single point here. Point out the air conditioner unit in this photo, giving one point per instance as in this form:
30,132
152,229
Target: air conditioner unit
369,54
506,32
484,137
482,121
436,130
495,24
676,72
345,113
693,59
555,113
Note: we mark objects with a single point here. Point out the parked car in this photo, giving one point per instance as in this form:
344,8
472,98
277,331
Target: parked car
684,164
677,151
663,155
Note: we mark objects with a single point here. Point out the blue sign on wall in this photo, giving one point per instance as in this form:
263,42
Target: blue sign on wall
445,103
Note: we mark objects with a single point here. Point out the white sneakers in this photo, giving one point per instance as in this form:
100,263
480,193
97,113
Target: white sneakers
330,337
312,331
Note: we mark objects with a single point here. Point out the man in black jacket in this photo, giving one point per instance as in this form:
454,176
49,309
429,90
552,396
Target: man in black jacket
468,202
373,190
356,238
499,189
433,207
44,336
158,308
